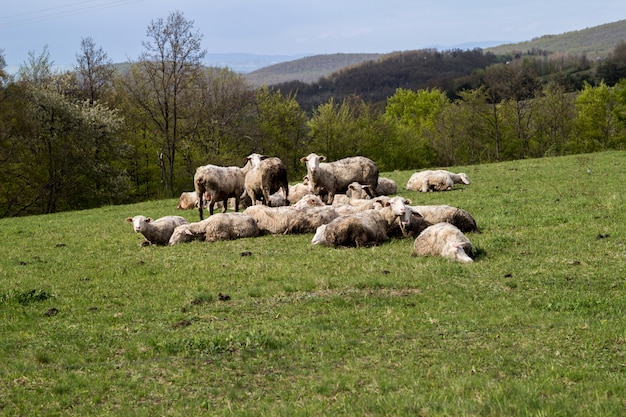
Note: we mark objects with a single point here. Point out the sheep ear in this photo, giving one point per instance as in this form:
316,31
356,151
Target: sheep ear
417,215
303,159
129,219
188,232
322,158
148,220
408,202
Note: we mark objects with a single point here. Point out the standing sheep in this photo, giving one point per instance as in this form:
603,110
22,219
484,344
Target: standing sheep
435,180
220,183
157,232
265,176
443,239
335,177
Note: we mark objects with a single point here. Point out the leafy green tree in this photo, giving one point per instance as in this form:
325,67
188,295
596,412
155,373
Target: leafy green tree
412,116
596,121
281,126
554,121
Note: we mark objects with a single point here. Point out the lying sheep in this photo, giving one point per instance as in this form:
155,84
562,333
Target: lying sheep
435,180
410,224
453,215
220,184
335,177
265,176
287,220
386,186
220,226
156,232
443,239
187,200
361,229
308,200
297,191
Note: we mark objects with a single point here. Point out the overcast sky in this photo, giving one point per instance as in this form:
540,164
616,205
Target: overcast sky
290,27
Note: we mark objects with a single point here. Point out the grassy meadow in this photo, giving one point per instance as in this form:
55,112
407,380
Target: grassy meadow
92,324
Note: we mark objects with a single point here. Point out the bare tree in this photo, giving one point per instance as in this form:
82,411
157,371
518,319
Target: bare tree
94,68
163,84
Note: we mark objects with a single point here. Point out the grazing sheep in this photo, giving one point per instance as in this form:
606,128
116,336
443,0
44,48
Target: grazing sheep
220,226
453,215
158,231
297,191
287,220
386,186
335,177
220,184
365,228
443,239
437,180
265,176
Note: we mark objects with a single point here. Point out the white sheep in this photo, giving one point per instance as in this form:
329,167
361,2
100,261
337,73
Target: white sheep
364,228
410,224
308,200
265,176
443,213
189,232
157,232
187,200
443,239
289,220
220,226
435,180
220,184
299,190
335,177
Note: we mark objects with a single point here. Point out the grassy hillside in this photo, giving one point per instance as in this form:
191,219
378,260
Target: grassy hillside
308,69
595,42
92,324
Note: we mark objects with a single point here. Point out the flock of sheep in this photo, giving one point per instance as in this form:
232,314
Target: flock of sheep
344,203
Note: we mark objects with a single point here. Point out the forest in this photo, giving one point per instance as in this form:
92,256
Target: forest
103,134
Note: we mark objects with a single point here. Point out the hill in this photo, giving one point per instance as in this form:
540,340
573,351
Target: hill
595,42
307,69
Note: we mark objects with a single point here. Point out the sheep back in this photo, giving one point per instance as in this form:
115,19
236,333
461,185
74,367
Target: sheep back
157,232
443,239
220,184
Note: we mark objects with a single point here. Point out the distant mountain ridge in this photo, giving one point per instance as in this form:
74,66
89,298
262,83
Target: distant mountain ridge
595,43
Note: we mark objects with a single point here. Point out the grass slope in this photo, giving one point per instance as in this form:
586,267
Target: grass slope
91,324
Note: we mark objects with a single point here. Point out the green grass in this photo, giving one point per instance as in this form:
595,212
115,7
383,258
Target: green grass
92,324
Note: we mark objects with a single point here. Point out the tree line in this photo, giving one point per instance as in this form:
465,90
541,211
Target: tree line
100,134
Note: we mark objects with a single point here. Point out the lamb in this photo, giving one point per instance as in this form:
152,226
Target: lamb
220,226
335,177
453,215
287,220
220,183
157,232
435,180
443,239
263,177
361,229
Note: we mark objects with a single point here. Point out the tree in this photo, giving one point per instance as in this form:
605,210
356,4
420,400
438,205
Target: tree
595,119
163,83
94,69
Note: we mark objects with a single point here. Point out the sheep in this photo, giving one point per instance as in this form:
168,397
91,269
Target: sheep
365,228
158,231
263,177
410,224
443,239
308,200
297,191
356,190
220,226
453,215
335,177
386,186
187,200
220,183
287,220
435,180
189,232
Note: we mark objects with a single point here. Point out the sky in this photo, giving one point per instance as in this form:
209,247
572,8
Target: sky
289,27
